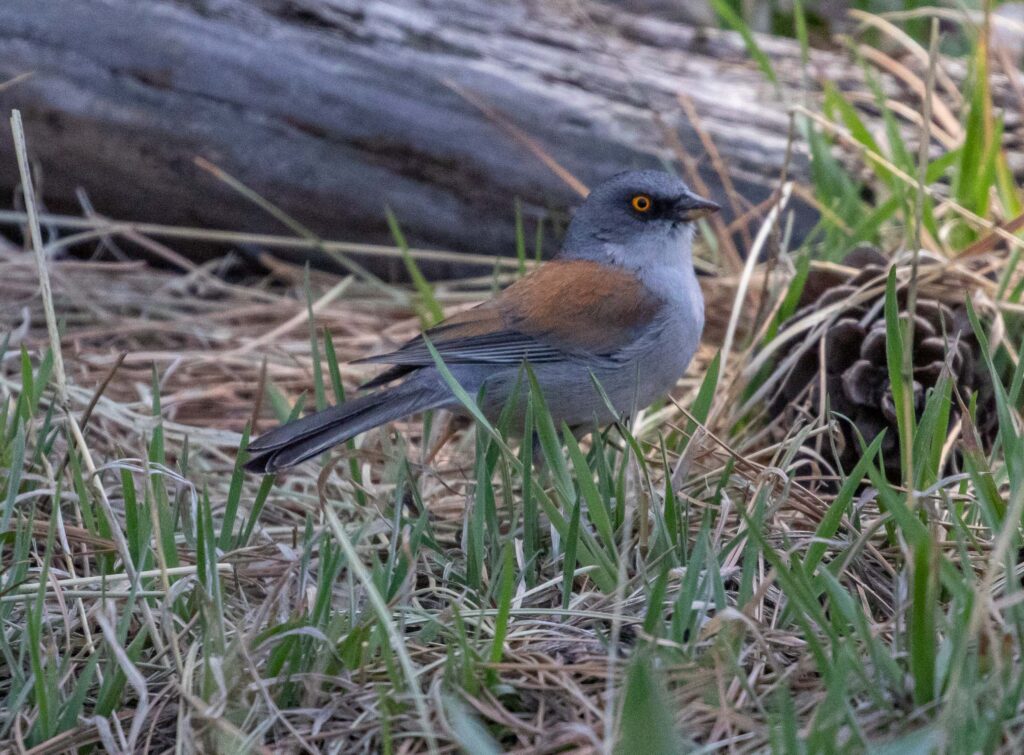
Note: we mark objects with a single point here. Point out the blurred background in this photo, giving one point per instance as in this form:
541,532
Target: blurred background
457,115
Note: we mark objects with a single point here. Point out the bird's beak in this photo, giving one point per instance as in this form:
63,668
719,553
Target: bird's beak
689,207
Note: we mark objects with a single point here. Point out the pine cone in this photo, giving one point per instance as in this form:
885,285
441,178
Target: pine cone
847,355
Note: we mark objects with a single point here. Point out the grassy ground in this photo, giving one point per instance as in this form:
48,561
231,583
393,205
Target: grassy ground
680,584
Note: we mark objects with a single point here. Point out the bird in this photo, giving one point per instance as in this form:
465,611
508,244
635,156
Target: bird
619,305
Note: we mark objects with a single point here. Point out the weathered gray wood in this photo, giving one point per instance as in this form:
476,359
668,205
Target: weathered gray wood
333,109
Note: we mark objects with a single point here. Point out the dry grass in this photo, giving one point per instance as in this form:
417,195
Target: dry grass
207,342
422,592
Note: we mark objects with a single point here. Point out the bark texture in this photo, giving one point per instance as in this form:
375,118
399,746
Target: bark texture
334,109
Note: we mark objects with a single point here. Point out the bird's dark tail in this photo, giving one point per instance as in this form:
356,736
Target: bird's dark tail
297,441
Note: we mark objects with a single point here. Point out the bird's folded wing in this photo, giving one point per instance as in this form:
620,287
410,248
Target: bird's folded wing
564,308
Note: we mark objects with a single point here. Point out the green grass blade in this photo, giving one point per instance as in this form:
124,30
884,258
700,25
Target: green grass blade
234,494
899,381
432,313
922,640
733,20
570,547
648,725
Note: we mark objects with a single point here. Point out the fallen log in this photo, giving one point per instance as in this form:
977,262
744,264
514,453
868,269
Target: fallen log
334,109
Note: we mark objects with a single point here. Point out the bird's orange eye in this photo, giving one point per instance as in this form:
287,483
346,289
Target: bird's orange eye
641,203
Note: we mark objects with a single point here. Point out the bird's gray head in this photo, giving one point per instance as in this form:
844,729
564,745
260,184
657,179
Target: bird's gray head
635,219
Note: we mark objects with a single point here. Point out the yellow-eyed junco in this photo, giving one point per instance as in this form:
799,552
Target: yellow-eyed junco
620,303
